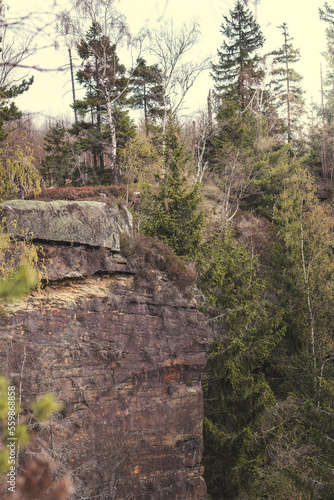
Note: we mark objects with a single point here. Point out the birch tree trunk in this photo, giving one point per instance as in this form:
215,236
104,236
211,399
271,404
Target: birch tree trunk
115,173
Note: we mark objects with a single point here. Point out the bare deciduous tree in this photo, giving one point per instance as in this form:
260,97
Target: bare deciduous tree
30,33
200,134
169,46
236,179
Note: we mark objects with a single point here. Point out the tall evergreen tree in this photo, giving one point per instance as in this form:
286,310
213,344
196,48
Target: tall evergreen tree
238,76
148,91
59,162
236,392
286,82
106,85
238,72
327,15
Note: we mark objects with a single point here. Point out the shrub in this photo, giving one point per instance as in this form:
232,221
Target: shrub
72,193
147,255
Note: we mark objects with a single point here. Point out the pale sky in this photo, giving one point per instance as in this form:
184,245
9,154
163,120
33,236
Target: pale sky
50,95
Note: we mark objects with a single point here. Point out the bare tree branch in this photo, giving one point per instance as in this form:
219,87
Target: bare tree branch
169,46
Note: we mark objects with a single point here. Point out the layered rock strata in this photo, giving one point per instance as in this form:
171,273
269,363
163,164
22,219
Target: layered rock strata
126,361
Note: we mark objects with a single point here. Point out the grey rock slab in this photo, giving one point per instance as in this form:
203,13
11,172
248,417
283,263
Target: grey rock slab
86,222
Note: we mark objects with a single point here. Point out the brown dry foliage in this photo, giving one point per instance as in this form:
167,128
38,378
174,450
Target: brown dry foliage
24,132
72,193
147,255
256,233
36,483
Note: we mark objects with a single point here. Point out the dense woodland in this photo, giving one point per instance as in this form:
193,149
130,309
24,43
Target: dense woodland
243,189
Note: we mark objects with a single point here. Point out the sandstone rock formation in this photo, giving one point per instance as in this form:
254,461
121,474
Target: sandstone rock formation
88,222
126,361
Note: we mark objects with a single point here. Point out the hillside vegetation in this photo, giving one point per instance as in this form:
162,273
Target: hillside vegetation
242,194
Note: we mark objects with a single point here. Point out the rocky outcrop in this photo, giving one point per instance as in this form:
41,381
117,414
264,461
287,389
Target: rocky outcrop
87,222
79,261
126,361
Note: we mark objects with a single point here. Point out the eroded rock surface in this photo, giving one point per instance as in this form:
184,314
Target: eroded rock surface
127,363
88,222
58,261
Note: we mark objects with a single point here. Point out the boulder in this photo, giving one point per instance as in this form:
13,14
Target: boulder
84,222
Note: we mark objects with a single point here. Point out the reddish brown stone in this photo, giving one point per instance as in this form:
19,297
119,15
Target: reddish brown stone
128,366
78,261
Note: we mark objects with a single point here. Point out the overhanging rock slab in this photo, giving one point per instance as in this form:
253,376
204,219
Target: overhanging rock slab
84,222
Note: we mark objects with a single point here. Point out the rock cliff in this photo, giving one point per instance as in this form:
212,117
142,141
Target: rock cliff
89,222
126,361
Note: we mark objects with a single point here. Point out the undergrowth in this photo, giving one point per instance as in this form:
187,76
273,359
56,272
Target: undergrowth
146,255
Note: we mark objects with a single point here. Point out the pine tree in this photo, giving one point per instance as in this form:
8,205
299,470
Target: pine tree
10,88
286,82
148,91
59,162
327,14
8,109
238,72
106,85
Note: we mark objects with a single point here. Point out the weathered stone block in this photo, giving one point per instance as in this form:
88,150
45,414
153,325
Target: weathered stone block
128,367
60,262
86,222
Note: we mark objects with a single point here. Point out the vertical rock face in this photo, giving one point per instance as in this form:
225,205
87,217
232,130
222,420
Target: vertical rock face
126,362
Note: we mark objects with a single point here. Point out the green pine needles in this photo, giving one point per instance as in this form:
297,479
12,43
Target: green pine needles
238,71
176,218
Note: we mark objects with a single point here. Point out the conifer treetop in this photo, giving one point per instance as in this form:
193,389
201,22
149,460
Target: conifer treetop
238,68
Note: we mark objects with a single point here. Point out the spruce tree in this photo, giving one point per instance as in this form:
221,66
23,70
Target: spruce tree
286,82
236,392
60,159
238,72
174,215
238,76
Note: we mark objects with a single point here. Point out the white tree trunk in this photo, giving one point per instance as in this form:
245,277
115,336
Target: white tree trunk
113,153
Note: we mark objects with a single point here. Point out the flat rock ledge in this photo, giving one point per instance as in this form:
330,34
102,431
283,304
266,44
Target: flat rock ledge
60,261
84,222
